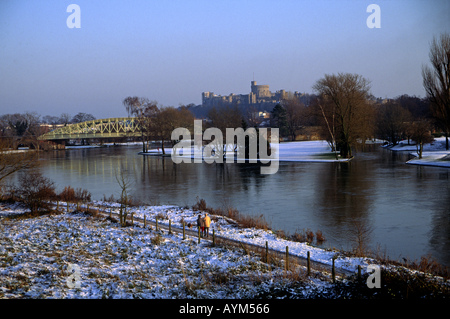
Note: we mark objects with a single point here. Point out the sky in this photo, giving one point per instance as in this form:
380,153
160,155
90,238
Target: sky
172,51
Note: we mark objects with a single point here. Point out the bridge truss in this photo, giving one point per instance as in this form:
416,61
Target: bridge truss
102,128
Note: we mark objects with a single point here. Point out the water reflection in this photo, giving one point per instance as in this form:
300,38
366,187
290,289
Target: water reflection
407,207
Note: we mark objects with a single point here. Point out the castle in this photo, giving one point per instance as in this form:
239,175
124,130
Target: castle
259,97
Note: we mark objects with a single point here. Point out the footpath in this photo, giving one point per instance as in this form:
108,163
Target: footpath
311,266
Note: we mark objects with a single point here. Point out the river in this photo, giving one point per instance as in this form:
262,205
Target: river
404,210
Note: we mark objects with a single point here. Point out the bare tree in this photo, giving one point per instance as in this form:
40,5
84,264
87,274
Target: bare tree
359,235
296,114
82,117
34,130
421,134
17,123
35,190
251,116
223,117
144,112
344,99
21,128
392,122
64,118
50,119
125,198
11,163
436,81
169,118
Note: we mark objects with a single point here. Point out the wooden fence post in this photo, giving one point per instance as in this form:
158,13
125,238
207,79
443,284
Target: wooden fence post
267,252
170,227
199,235
67,206
287,258
333,272
144,221
184,231
214,239
57,205
308,260
156,223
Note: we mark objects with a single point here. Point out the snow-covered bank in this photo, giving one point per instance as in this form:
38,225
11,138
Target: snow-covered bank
304,151
434,154
130,262
74,255
308,151
226,229
441,159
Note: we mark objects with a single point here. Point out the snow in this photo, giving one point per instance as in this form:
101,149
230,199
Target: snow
128,262
138,262
226,228
320,151
434,154
304,151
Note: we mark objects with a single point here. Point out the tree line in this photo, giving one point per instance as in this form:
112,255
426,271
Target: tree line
23,128
342,107
347,113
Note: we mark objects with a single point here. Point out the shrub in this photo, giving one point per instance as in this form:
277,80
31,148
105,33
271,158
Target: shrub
74,195
35,190
298,237
320,238
157,239
200,205
309,236
232,213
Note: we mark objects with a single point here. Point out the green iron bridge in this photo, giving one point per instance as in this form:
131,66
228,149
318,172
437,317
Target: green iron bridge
102,128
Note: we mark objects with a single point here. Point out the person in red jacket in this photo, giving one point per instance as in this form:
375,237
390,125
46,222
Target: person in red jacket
201,224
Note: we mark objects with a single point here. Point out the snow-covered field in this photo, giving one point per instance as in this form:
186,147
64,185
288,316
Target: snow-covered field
50,255
36,255
73,255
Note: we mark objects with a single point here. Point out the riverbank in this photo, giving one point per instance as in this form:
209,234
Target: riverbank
302,151
142,262
319,151
434,154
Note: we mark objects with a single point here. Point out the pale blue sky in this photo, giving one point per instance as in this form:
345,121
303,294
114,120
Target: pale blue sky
172,51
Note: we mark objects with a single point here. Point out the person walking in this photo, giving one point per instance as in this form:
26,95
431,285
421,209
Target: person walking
201,224
207,221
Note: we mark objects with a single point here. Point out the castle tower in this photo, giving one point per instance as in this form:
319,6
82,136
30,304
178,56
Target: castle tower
260,91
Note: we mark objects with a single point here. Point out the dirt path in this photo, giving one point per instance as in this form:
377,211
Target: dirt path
315,267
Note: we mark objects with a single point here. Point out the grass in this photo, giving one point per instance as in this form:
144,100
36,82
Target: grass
232,213
425,264
398,283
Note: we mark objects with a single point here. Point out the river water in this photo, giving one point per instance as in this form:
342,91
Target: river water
403,210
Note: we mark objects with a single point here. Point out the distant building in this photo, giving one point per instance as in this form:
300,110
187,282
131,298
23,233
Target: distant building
259,97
